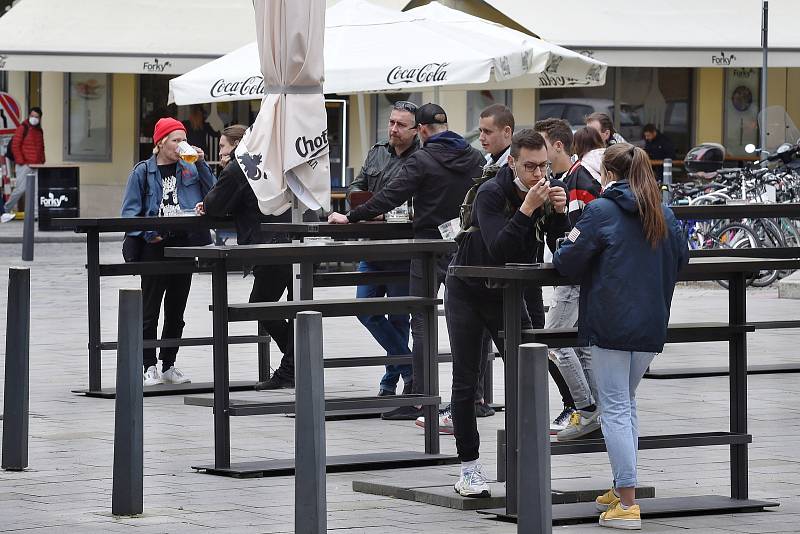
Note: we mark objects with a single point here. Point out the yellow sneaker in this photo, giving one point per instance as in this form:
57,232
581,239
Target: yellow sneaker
616,517
605,500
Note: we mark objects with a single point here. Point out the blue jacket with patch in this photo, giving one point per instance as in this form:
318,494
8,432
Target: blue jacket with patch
144,190
626,284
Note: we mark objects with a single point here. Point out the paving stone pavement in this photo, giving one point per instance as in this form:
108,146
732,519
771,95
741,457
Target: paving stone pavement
68,485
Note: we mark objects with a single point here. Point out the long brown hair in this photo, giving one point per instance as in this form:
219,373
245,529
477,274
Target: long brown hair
585,140
631,163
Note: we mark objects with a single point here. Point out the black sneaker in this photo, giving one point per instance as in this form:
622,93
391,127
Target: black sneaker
275,382
403,413
483,410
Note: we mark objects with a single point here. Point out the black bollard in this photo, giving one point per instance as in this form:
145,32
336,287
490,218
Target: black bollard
16,393
30,214
310,504
534,501
127,493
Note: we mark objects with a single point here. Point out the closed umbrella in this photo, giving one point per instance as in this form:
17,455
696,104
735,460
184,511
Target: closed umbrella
285,152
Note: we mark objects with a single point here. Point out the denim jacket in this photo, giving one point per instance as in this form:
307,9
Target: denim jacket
143,193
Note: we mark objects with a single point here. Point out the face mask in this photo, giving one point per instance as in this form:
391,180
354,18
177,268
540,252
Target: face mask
33,121
521,186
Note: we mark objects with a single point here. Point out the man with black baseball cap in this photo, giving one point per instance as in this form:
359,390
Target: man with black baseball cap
436,177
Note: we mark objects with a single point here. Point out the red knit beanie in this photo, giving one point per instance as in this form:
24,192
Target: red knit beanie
166,126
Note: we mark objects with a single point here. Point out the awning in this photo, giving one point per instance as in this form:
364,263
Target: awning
678,33
361,55
127,36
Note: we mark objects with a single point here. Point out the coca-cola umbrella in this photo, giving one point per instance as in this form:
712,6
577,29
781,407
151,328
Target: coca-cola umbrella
372,48
285,151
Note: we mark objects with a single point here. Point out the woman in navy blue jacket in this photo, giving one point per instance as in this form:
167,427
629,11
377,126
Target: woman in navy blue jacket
163,186
626,252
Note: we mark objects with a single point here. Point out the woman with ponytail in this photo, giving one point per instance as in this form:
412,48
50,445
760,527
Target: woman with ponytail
626,252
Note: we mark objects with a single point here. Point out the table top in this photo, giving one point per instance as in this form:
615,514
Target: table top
366,229
282,253
128,224
698,269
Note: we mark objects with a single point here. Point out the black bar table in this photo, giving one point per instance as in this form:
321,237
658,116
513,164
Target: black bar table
93,227
365,230
514,279
307,254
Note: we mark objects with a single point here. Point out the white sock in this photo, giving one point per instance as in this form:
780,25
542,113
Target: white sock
623,506
468,466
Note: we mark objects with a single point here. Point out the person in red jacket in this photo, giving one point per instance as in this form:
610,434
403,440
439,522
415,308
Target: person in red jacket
27,145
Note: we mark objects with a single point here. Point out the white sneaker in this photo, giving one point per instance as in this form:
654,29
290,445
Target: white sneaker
445,421
473,483
561,421
152,376
173,375
580,425
6,217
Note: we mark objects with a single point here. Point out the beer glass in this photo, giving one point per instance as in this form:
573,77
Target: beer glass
187,152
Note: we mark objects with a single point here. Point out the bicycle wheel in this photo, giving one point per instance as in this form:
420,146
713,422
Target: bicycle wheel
770,236
735,236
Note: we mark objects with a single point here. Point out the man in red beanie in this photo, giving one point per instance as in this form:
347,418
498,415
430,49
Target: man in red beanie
164,186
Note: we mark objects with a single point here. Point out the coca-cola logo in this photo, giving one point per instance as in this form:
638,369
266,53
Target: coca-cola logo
252,86
309,148
430,72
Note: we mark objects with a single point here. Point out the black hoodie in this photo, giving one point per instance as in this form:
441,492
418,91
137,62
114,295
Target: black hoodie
437,176
506,235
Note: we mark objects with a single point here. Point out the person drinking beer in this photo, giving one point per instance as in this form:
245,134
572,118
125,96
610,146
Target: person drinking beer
171,182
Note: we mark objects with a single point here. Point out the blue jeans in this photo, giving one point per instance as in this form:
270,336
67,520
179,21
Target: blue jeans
575,364
392,331
618,374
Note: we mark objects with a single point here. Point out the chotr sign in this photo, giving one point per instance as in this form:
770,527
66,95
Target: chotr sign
252,86
309,148
428,73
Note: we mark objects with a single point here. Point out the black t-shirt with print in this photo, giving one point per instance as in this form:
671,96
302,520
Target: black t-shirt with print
169,199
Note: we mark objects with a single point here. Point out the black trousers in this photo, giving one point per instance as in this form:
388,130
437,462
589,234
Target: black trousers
535,306
173,290
471,310
271,281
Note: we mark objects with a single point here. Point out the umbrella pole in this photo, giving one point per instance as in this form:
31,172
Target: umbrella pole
362,122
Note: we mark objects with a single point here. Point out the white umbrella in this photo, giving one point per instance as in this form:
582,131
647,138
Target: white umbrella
285,152
371,48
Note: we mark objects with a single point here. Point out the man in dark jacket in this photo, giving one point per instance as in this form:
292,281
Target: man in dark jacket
437,177
512,212
232,195
656,144
382,164
27,146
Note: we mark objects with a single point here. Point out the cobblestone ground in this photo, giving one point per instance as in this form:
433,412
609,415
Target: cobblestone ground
68,485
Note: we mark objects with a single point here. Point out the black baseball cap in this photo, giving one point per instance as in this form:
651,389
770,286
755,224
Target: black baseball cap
430,114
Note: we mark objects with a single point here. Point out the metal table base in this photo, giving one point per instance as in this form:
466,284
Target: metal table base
335,464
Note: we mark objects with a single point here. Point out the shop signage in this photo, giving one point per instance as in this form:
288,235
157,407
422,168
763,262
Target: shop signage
723,59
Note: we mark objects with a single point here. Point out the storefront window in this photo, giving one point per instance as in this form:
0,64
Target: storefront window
661,96
87,117
477,101
742,104
383,108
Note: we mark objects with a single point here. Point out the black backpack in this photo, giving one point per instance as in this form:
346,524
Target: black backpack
465,212
9,152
